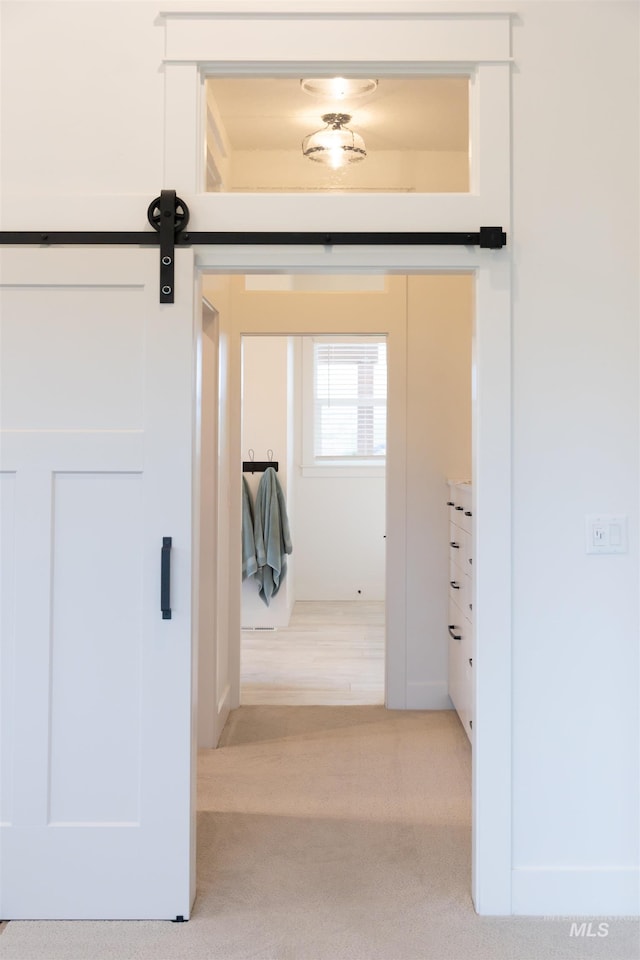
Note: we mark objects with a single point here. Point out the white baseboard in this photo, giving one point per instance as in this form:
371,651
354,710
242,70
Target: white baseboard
428,696
588,892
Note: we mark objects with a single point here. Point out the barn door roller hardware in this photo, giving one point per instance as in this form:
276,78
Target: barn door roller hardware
169,215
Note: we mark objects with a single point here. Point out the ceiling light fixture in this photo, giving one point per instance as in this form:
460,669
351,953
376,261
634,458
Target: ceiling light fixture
338,88
335,145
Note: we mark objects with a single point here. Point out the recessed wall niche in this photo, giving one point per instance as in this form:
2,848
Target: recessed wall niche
415,130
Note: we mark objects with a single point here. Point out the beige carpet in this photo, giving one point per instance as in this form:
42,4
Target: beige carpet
330,833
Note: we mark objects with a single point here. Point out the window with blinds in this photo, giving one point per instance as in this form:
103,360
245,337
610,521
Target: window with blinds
350,400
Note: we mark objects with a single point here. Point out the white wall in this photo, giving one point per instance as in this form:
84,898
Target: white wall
340,530
575,372
103,96
575,452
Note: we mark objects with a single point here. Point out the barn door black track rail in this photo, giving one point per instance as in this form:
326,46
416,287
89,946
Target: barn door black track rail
169,215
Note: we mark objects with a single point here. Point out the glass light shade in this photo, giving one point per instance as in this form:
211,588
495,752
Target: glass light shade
338,88
335,145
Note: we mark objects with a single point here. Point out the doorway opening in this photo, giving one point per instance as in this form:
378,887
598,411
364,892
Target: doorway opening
426,321
317,404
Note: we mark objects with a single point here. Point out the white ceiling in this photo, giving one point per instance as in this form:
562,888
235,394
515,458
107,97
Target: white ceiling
425,113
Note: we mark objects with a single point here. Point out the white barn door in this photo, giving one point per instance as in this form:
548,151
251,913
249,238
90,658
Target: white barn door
95,470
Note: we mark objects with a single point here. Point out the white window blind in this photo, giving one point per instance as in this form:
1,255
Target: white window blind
350,400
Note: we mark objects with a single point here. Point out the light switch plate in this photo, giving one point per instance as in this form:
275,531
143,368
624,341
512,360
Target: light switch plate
606,533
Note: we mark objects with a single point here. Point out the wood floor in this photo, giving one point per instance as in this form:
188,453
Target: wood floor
330,654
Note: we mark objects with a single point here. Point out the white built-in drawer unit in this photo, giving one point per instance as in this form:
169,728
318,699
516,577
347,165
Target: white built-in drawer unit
460,621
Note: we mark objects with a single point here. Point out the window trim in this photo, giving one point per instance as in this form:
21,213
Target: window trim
312,466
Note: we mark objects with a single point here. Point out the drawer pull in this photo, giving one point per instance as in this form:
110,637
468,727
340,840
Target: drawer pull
459,508
452,583
450,503
471,724
456,636
456,546
468,513
470,661
470,558
470,606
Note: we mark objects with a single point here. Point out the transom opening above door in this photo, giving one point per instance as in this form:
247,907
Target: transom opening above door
385,134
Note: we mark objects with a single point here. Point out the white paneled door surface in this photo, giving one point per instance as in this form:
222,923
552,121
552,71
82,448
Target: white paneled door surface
95,470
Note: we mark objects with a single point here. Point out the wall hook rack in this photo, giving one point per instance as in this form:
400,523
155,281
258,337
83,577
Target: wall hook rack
169,215
259,466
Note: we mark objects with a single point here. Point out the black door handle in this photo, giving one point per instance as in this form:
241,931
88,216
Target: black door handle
452,583
165,578
456,636
456,546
